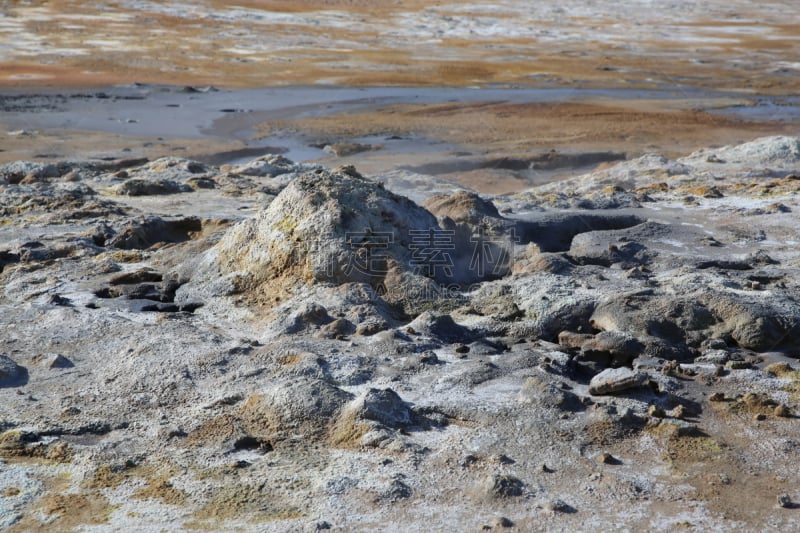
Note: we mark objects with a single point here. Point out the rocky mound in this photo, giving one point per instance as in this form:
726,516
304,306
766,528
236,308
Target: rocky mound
335,228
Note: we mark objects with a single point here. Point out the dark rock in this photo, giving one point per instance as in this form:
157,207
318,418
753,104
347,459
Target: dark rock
396,491
571,340
11,373
144,233
147,187
596,248
619,347
559,506
7,258
58,361
608,459
554,232
501,521
785,501
136,276
57,299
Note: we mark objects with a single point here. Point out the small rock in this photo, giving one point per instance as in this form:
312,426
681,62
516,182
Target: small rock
383,406
469,460
759,417
396,491
10,371
778,369
785,501
621,348
543,393
559,506
608,459
371,327
670,367
344,149
58,361
656,411
503,486
737,365
717,397
569,339
714,357
501,521
679,411
714,344
57,299
614,380
783,411
143,187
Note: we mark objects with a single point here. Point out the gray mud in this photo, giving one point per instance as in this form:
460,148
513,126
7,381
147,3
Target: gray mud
276,346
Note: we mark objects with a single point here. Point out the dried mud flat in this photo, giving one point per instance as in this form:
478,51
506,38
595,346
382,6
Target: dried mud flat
732,44
279,346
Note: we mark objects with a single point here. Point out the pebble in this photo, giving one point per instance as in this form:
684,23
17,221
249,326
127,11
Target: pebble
717,397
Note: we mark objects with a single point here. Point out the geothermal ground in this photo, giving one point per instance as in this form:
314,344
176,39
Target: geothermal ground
402,266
